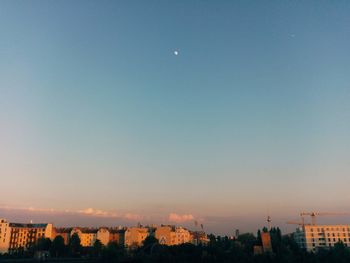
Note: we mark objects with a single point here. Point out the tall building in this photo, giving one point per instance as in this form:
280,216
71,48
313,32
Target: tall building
313,237
171,235
16,237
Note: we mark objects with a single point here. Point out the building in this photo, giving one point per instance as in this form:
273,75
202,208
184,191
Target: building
313,237
199,237
103,235
63,232
258,250
266,242
134,236
171,235
117,236
16,237
87,236
106,235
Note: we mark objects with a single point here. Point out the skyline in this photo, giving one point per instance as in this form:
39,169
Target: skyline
249,118
221,225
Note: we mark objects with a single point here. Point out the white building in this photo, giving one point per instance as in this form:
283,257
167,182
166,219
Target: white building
313,237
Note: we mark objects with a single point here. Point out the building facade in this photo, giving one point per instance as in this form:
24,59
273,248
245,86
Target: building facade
87,236
171,235
107,235
266,242
15,237
313,237
134,236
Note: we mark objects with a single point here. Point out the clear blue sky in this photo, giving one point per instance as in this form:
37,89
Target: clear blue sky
252,116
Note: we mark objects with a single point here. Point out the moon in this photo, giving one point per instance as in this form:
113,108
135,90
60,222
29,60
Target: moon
176,52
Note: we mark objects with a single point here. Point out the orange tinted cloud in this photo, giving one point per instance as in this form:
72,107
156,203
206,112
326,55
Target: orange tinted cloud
98,212
135,217
173,217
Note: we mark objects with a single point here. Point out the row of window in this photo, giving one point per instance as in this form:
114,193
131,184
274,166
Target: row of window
330,229
329,234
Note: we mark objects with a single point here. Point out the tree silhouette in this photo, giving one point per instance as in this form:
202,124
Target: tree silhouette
58,247
74,245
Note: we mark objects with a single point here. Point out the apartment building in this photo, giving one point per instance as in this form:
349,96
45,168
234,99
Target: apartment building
134,236
16,237
87,236
313,237
171,235
106,235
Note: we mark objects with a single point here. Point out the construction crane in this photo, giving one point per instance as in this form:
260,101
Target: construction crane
313,216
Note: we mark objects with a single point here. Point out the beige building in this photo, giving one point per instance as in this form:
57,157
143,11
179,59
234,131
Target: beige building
313,237
87,236
134,236
171,235
106,235
20,237
103,235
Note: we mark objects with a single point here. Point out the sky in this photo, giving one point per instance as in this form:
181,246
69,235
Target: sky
102,123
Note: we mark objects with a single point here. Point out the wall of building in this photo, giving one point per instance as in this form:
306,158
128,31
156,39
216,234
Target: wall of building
5,235
134,236
313,237
103,235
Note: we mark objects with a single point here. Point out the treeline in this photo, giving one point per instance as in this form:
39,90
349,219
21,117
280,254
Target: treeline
219,249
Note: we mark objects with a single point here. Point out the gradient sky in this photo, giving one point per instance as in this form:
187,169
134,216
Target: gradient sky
97,112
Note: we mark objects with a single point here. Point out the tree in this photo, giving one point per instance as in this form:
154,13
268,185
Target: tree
113,252
97,248
150,240
74,244
248,240
43,244
58,246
